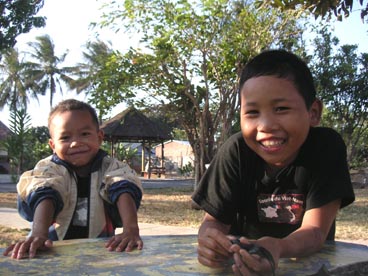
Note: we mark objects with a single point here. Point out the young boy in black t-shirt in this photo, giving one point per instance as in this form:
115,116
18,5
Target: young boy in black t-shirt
280,182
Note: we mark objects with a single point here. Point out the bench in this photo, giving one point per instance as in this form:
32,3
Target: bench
155,172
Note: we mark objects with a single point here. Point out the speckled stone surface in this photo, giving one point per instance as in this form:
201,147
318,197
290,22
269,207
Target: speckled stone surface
165,255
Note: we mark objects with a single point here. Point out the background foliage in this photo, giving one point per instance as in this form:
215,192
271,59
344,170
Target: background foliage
186,69
17,17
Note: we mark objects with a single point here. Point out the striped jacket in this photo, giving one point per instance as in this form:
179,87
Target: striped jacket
53,178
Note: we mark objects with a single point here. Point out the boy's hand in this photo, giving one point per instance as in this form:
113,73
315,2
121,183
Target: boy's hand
251,262
126,241
28,247
38,240
214,248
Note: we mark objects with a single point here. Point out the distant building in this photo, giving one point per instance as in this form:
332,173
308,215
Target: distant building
177,154
136,161
4,159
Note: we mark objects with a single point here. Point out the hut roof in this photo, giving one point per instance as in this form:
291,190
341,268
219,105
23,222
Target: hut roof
132,125
4,131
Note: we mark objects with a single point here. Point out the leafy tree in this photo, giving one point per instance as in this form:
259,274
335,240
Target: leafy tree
361,154
342,83
158,114
339,8
26,146
17,17
95,58
194,51
39,147
179,134
186,170
125,153
18,143
13,83
45,71
102,77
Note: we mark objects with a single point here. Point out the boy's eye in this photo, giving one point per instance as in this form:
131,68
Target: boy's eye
282,108
86,133
251,112
64,138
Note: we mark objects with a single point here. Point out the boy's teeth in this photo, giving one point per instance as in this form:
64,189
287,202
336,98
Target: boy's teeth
272,143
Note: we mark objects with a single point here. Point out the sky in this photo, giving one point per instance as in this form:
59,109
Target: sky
68,26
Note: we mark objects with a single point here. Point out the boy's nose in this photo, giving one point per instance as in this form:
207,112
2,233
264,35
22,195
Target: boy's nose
267,123
74,143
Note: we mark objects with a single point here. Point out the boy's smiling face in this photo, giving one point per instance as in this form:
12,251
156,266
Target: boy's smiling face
75,137
274,119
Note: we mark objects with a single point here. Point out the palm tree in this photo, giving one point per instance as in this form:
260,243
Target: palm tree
103,77
97,77
96,56
45,71
14,85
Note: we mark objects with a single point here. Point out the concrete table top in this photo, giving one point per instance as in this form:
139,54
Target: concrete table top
165,255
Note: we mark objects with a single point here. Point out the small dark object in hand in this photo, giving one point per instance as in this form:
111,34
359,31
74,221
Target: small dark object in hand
251,248
257,250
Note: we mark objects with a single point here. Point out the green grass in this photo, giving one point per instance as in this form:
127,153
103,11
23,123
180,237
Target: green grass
352,221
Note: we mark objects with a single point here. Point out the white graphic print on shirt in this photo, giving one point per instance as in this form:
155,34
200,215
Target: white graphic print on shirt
280,208
81,211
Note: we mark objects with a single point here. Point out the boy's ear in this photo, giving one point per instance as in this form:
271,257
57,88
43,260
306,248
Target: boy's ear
101,135
315,113
51,144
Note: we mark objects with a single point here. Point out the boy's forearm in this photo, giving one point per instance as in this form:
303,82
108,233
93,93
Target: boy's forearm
301,243
311,236
128,211
43,218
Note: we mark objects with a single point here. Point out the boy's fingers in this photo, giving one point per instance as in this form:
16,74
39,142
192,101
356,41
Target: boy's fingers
131,245
37,244
209,262
32,250
16,250
123,245
23,248
243,265
140,244
128,244
112,243
48,243
210,257
8,249
215,239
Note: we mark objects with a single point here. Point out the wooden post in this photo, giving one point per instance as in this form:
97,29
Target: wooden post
149,159
143,160
162,155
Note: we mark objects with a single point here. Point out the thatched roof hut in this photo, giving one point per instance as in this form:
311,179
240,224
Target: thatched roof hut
4,131
132,126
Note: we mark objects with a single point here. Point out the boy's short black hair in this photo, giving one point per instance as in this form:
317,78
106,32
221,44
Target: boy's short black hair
282,64
72,104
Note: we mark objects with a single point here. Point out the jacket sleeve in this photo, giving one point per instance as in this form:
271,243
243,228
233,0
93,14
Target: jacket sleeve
46,180
122,187
26,208
120,178
114,192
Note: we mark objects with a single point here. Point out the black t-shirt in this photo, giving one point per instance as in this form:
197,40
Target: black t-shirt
236,190
78,228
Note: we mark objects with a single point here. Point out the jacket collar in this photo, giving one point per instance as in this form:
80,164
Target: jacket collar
95,164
